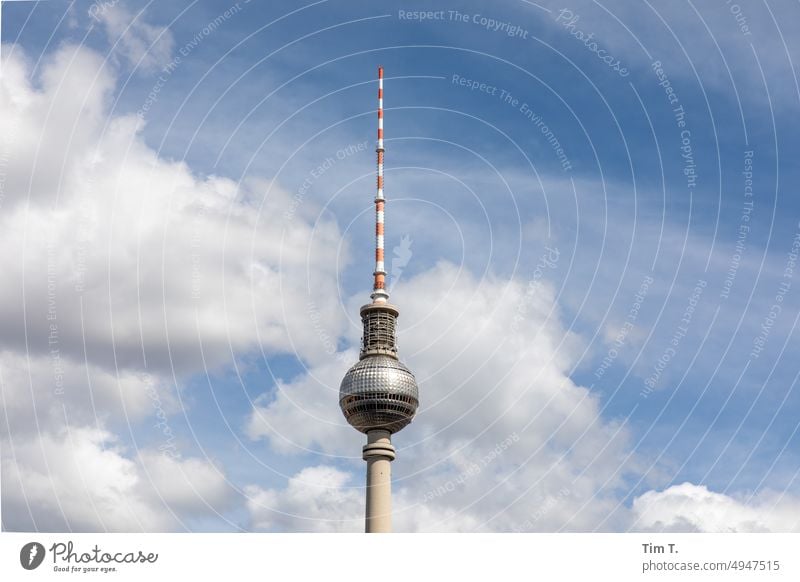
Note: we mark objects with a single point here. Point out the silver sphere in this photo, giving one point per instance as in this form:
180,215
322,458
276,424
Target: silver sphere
378,392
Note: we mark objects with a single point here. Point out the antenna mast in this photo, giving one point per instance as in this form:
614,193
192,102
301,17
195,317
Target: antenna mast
379,292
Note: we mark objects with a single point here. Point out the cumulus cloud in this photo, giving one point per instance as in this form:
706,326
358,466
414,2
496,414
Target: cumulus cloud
319,499
51,393
504,439
325,499
689,507
178,271
310,401
502,428
80,479
125,274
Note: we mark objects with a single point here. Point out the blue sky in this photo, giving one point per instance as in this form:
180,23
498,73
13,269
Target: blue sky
269,92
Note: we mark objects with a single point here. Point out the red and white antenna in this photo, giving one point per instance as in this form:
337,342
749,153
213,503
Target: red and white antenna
379,292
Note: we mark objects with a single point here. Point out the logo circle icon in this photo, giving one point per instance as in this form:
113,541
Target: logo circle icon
31,555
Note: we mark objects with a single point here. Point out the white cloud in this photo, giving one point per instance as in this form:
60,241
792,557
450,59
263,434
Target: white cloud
326,499
501,427
44,392
189,486
142,45
315,499
144,260
123,273
310,401
689,507
80,480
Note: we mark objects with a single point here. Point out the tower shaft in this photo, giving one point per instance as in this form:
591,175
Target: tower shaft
379,454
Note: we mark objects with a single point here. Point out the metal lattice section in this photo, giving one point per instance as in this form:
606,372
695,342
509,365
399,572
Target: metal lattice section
379,392
379,332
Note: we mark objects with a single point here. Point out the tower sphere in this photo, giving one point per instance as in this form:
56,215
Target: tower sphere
378,392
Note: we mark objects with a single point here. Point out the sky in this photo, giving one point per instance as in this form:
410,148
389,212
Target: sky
592,238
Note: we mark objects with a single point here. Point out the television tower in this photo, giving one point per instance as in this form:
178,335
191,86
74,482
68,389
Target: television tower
378,395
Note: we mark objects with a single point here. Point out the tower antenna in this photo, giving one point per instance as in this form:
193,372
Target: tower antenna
379,292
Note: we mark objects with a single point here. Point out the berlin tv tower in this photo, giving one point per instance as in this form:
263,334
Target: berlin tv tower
378,395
